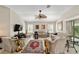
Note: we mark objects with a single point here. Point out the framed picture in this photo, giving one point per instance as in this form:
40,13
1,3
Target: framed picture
42,26
37,26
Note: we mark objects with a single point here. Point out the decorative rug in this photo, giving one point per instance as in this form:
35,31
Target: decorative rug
34,46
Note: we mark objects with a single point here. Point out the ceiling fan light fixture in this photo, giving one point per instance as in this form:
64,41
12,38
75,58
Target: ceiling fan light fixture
41,16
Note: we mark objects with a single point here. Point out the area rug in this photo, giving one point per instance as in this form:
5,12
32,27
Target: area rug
34,46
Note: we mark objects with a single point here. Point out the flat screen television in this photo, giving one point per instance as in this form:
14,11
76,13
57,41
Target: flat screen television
17,27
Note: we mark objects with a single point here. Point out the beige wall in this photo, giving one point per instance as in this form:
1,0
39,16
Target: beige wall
7,20
4,21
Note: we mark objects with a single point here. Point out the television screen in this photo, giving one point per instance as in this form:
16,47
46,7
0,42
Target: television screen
17,27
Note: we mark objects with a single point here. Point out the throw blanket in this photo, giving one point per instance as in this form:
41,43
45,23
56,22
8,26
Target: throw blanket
34,46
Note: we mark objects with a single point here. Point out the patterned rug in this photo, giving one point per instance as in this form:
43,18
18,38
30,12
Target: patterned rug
34,46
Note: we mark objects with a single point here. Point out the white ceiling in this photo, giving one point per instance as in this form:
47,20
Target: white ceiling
28,12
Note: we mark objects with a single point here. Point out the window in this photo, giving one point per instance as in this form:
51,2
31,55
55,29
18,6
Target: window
60,26
30,28
50,28
69,27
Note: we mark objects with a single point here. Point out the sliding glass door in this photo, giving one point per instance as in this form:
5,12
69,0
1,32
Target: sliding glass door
76,28
72,28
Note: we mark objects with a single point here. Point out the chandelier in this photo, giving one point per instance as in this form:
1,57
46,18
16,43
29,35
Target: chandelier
40,15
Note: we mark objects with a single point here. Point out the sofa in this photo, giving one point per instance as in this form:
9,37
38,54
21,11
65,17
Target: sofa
58,43
9,45
6,45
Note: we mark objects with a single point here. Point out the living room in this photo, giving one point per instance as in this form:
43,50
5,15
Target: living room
49,24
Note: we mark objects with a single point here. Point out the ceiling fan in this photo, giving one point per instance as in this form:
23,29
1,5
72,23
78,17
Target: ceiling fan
40,15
